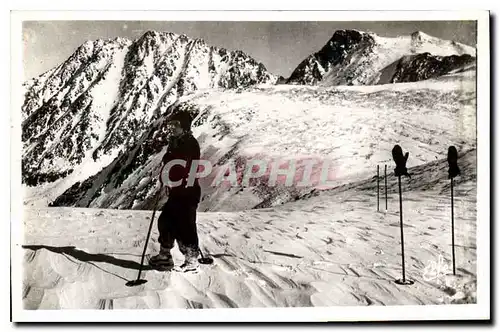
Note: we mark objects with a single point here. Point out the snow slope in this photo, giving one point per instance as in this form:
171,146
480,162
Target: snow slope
93,126
353,128
326,249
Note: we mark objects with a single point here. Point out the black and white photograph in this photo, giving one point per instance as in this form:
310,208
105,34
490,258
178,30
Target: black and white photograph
233,162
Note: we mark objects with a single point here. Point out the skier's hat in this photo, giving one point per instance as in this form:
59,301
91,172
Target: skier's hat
184,119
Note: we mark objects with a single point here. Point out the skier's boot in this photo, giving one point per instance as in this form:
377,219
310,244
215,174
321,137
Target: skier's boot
162,261
191,261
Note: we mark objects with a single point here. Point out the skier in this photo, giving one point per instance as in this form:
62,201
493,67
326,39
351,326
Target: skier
177,222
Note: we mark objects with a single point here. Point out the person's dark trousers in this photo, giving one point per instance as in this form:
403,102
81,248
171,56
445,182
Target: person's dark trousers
177,221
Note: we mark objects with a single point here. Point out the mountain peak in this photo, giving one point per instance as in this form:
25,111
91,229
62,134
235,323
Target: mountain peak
347,31
343,33
200,41
156,35
334,52
421,36
353,57
347,37
150,34
115,93
121,41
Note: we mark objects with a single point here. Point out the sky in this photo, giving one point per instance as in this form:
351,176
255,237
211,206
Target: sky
280,46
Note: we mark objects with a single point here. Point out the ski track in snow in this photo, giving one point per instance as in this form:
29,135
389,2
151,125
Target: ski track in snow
325,251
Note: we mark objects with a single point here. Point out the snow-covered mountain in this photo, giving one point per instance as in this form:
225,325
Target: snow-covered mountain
352,128
107,94
94,134
354,57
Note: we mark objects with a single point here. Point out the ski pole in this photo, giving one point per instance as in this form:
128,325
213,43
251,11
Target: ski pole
401,226
140,281
452,228
385,180
453,171
205,260
378,188
400,159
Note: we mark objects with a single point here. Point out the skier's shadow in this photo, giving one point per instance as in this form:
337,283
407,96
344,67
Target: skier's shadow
86,257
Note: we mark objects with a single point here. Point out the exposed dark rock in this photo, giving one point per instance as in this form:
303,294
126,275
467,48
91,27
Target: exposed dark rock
423,66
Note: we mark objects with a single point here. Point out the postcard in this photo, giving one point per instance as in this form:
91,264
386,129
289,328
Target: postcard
250,166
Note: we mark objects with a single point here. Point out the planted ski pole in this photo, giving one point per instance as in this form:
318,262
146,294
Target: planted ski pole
452,228
205,259
378,188
400,160
453,171
385,186
140,281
